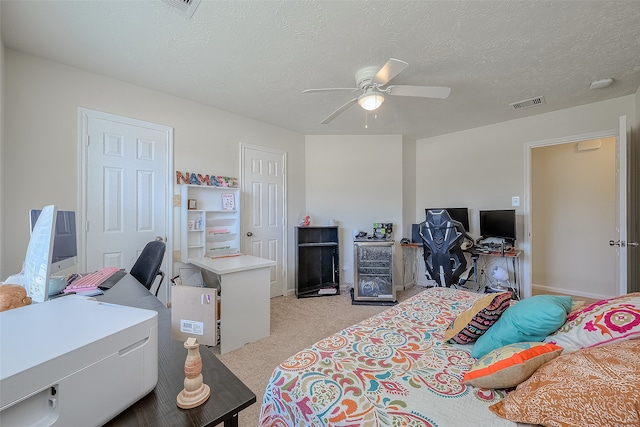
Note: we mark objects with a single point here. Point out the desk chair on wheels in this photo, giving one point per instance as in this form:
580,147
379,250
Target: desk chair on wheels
442,239
147,266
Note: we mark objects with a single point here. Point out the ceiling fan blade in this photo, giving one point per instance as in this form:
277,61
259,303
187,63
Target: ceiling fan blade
392,68
330,89
422,91
339,111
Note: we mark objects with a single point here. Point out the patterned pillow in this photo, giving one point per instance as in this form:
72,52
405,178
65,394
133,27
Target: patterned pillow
468,326
508,366
597,386
602,322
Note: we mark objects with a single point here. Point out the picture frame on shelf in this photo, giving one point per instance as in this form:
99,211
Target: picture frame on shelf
192,204
228,202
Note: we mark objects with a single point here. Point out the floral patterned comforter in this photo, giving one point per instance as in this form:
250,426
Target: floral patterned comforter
389,370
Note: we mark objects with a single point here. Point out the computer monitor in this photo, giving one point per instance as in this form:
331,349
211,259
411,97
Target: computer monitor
500,223
37,262
65,247
457,214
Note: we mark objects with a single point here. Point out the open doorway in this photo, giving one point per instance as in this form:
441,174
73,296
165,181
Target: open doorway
573,217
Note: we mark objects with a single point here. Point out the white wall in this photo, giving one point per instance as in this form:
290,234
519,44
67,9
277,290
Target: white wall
41,164
408,186
358,181
483,168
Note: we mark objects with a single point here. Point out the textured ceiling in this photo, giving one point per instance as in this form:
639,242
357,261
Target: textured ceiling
254,58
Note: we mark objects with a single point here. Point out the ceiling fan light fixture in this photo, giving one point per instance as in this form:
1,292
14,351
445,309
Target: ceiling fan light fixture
370,100
373,84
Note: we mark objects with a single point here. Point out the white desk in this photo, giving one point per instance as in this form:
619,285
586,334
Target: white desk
244,298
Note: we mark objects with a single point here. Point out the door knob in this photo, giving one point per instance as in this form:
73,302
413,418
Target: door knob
249,234
622,243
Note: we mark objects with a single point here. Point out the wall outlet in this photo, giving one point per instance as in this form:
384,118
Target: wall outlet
515,201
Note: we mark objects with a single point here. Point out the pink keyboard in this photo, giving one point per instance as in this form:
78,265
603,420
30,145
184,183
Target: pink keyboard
91,281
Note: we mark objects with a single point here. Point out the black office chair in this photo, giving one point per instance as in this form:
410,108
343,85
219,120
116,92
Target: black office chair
147,266
441,239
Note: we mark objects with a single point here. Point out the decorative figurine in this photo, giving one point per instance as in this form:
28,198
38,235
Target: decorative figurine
195,392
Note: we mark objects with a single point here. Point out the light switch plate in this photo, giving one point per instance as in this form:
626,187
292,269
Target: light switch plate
515,201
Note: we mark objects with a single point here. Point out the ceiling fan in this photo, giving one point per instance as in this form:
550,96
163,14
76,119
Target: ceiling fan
372,82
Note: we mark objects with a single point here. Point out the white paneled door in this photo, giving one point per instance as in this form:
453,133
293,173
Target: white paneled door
621,187
263,209
125,202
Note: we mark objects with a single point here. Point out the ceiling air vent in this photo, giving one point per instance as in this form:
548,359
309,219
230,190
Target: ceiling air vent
186,7
533,102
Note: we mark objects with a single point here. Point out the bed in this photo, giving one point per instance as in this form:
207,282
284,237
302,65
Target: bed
398,368
391,369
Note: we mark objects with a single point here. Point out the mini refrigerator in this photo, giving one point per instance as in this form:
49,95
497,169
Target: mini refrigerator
374,270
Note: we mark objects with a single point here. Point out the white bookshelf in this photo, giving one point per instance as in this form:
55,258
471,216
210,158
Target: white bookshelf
209,229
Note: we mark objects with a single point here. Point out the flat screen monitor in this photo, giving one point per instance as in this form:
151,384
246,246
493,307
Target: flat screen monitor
457,214
65,247
37,262
498,223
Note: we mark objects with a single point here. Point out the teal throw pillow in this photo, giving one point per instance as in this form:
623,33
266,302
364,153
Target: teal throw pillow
531,319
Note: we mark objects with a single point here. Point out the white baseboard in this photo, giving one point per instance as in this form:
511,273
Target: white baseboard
575,292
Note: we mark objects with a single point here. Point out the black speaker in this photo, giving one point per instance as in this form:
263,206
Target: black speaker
415,234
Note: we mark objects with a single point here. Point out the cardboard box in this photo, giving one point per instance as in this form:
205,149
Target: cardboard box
193,314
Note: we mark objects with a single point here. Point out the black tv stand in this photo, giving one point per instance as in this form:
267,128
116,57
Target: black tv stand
317,261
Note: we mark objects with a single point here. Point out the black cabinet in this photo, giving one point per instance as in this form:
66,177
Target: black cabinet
317,261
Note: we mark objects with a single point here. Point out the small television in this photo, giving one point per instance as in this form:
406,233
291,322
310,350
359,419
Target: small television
65,248
37,262
499,223
457,214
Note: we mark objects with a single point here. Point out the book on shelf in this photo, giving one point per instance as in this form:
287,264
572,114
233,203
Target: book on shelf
219,231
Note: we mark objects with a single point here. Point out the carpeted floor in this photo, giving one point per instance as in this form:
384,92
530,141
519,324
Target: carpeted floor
295,325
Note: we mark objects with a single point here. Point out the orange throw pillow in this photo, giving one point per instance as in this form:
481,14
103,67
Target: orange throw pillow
510,365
